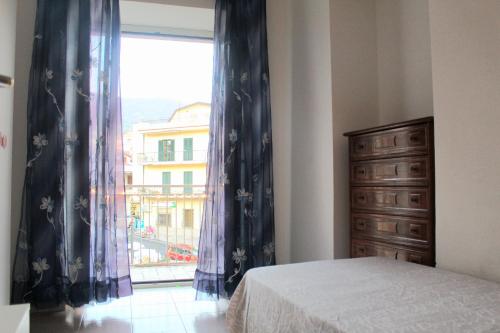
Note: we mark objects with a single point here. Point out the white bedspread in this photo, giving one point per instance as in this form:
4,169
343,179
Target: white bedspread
362,295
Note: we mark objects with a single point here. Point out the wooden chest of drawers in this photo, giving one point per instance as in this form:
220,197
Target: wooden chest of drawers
392,191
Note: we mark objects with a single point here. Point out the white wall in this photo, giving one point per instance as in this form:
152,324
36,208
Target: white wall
187,3
404,60
311,156
465,38
7,42
354,73
279,30
24,38
300,72
139,16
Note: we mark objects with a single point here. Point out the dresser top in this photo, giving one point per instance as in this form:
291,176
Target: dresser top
391,126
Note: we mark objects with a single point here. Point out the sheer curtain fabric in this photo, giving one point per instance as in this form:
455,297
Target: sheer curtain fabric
237,230
72,240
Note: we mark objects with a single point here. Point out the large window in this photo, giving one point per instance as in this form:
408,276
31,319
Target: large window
166,150
166,93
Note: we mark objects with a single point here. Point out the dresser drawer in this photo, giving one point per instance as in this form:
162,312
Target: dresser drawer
398,230
392,200
393,171
397,142
362,248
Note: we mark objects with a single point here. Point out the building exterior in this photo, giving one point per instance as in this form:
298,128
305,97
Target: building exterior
167,173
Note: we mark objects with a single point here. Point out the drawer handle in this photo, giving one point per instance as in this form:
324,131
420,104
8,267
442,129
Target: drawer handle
414,168
361,171
361,197
415,199
361,225
360,146
415,230
361,250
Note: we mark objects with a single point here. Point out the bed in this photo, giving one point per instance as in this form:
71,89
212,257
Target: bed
362,295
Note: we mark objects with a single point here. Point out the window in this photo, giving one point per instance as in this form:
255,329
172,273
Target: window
166,150
165,181
166,94
165,220
188,182
188,149
188,218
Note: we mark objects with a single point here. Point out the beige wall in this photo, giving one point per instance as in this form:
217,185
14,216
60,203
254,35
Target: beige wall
279,26
7,42
312,146
465,38
354,66
142,16
187,3
300,71
24,38
404,60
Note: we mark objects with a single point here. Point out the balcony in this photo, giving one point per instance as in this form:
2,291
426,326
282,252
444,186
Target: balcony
177,157
163,231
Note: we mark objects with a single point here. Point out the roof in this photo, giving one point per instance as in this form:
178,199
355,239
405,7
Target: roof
187,107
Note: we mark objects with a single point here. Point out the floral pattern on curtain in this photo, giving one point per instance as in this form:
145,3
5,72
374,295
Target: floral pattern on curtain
72,240
237,231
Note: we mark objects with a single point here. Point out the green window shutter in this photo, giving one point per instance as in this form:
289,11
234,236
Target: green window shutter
188,149
188,182
170,150
161,150
166,182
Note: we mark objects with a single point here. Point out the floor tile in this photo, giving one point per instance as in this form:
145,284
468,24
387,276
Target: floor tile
101,312
182,294
149,296
168,324
61,321
153,309
205,323
197,307
106,326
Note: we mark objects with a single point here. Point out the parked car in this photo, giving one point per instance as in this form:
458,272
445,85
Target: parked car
182,252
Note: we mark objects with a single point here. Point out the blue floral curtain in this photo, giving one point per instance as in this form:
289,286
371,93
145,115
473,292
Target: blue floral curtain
237,230
72,241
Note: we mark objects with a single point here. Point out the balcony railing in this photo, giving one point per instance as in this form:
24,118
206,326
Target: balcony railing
173,157
164,227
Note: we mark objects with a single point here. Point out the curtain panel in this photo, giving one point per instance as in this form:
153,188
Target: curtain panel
72,240
237,231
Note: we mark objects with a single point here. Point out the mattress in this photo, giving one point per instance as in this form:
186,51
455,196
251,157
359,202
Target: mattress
362,295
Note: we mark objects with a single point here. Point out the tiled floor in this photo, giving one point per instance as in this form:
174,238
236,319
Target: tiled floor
166,309
162,273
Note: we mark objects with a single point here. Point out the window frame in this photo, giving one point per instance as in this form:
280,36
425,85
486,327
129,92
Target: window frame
166,153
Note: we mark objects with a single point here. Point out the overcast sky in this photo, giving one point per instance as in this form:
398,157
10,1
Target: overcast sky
173,70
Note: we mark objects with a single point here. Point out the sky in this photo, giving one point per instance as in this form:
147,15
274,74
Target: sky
179,71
